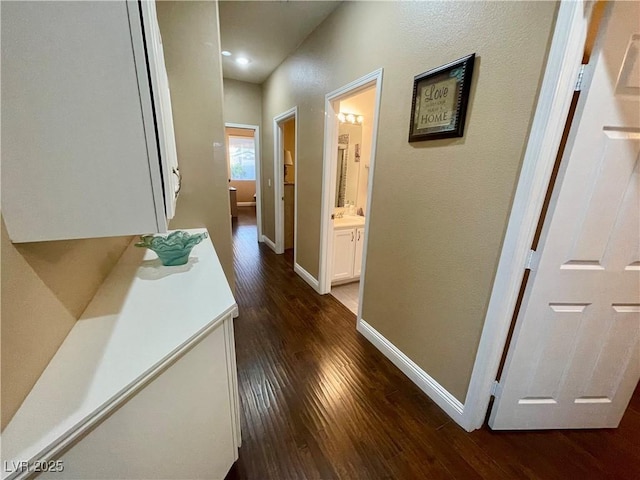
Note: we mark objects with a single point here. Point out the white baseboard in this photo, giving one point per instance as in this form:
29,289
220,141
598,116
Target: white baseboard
428,385
246,204
269,243
307,277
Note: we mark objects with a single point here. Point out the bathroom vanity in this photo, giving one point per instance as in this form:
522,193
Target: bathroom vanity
348,241
145,384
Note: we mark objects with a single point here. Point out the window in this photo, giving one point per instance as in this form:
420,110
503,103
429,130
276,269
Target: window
242,158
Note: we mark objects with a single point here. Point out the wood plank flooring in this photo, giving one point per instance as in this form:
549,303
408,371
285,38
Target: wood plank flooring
319,402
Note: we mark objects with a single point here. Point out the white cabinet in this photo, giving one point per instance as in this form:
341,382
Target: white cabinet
347,254
145,384
343,251
87,132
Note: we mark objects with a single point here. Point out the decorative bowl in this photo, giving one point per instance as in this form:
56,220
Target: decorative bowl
173,249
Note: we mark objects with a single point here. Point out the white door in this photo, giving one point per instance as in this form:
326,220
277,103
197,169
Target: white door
357,259
574,358
343,249
163,110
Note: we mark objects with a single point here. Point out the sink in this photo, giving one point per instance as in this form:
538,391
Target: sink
349,221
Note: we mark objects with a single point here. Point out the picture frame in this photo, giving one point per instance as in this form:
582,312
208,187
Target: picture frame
440,98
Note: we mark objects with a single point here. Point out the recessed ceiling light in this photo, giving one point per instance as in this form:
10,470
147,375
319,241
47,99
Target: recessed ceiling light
242,61
226,53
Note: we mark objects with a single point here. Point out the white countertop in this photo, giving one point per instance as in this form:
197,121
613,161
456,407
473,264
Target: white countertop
142,318
348,221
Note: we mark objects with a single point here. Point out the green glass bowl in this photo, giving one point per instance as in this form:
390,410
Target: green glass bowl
173,249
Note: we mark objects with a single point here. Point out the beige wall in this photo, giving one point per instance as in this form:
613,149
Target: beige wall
242,102
191,40
245,190
439,208
45,288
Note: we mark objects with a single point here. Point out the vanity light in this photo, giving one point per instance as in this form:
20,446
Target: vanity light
225,53
242,61
350,118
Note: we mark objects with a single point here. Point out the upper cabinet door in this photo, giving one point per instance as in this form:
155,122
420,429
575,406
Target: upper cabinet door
162,106
79,146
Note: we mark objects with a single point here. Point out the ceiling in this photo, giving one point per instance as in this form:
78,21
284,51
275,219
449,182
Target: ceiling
265,32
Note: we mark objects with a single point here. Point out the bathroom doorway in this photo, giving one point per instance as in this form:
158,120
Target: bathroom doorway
350,134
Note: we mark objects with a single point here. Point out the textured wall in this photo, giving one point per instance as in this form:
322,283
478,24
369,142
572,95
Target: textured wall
242,102
440,208
191,40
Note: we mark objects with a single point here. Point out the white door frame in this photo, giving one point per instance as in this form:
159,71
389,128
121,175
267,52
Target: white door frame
256,140
278,179
329,177
563,65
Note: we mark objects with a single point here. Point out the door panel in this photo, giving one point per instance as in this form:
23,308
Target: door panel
574,359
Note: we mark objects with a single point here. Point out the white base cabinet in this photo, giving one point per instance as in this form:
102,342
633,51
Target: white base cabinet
347,254
87,132
179,426
145,384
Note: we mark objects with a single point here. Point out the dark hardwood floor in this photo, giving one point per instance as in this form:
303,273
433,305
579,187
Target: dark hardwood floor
319,402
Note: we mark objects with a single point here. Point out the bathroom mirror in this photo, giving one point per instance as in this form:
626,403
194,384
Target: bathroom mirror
341,176
348,164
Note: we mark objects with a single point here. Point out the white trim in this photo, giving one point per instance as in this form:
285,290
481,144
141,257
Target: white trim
329,181
440,395
307,277
247,204
565,57
258,202
278,176
295,197
269,243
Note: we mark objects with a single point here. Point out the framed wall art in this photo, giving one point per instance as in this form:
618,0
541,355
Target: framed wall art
439,104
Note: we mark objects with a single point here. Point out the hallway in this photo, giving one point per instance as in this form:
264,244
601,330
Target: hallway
318,401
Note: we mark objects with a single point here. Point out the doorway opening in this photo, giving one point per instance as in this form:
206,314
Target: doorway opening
285,127
349,154
243,163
